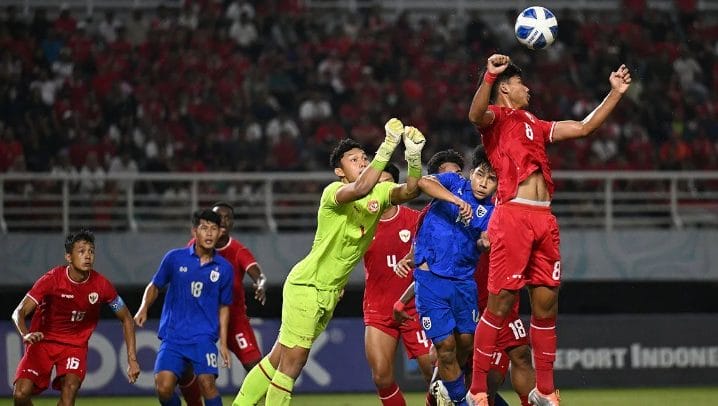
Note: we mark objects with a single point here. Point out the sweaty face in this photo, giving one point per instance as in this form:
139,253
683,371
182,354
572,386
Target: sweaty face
207,234
449,167
353,163
82,256
227,219
483,182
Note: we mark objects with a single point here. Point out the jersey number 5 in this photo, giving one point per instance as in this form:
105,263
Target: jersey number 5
196,288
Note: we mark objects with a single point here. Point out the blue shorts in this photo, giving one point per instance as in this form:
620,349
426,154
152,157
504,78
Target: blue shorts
445,305
203,357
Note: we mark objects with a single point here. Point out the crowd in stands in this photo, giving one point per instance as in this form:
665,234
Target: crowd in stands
271,86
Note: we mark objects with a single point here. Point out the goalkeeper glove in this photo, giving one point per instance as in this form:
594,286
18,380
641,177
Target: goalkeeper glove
414,142
394,130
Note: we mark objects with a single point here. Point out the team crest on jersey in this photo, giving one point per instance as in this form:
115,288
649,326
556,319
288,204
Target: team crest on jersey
404,235
183,269
481,211
93,297
373,206
214,275
426,323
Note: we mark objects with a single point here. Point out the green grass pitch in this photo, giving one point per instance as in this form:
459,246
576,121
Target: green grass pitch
703,396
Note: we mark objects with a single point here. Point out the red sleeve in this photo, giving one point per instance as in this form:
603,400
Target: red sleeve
546,128
42,287
498,114
244,256
109,293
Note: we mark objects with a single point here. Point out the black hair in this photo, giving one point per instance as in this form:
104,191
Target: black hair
510,71
479,158
393,170
223,203
340,149
82,235
443,157
207,215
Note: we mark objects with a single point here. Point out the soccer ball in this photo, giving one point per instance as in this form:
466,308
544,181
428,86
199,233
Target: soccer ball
536,27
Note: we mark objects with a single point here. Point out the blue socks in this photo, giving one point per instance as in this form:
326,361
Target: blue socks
457,390
173,401
213,402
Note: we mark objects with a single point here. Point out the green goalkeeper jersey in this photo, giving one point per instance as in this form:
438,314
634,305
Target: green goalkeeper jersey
344,232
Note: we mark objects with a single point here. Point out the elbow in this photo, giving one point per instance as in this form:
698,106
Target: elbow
474,118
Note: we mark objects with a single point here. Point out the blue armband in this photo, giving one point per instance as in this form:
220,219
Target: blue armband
117,304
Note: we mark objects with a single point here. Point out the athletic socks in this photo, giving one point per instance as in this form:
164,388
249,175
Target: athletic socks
215,401
191,392
173,401
255,384
484,347
391,395
456,389
280,390
524,400
543,343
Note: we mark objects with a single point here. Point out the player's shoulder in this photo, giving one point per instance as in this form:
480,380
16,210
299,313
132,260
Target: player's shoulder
408,212
236,244
223,262
98,278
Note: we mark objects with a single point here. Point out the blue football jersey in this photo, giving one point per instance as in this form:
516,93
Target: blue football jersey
191,309
444,242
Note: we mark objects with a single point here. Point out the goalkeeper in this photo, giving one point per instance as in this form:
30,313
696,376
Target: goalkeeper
348,214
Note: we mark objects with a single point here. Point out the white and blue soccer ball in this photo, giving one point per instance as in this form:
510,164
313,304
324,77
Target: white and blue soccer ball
536,27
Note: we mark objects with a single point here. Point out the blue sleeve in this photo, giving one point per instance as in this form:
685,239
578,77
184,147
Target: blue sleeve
225,292
449,179
164,271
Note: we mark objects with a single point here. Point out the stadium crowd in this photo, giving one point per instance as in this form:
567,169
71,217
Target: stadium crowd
270,85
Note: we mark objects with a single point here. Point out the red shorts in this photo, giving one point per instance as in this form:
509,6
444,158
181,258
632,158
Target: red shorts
412,335
242,342
513,334
36,365
524,247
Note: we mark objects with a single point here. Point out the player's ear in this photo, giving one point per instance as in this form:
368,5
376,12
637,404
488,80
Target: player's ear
504,87
339,172
68,258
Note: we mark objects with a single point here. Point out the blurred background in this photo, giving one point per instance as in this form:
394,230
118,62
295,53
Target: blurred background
124,116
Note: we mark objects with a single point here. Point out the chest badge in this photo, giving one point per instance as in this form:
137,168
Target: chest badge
214,275
373,206
93,297
481,211
404,235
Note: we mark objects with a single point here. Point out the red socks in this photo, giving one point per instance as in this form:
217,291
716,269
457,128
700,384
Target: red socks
391,396
484,347
524,400
543,343
191,392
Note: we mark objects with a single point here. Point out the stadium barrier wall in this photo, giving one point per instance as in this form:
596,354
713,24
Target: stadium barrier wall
132,259
594,351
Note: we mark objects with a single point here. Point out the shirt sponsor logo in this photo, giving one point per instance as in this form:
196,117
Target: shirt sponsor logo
426,323
214,275
66,296
93,297
481,211
373,206
183,269
404,235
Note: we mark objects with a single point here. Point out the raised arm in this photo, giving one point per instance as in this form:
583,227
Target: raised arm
432,187
149,297
128,330
24,309
479,114
414,142
370,176
620,82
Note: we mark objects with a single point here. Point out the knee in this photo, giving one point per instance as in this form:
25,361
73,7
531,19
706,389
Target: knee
207,386
382,377
446,351
21,393
521,358
70,385
165,389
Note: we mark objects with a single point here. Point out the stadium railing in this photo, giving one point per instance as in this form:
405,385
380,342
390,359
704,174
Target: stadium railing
287,201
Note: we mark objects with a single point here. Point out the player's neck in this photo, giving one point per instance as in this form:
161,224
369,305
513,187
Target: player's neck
389,213
75,275
205,255
222,242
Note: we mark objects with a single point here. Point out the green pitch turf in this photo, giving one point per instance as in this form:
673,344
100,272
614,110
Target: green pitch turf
703,396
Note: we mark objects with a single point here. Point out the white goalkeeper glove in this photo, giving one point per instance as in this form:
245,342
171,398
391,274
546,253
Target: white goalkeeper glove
414,142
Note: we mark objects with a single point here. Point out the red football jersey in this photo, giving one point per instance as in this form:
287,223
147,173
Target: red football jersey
241,259
391,243
67,311
515,143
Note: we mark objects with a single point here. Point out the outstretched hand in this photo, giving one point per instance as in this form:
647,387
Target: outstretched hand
620,79
394,129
